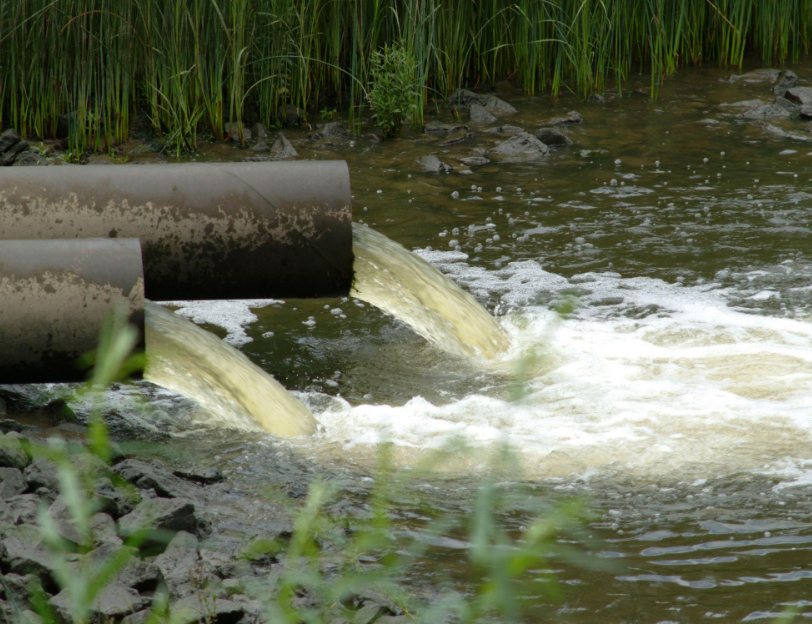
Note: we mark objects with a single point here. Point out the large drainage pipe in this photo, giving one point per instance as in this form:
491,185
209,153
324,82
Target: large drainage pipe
54,298
207,231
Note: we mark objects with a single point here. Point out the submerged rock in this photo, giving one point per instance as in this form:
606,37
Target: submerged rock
802,97
783,134
479,114
457,138
767,111
463,98
432,164
756,76
572,117
552,136
789,80
505,130
440,128
521,148
474,161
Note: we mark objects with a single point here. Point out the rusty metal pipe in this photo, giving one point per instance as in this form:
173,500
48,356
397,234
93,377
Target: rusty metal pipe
54,297
207,231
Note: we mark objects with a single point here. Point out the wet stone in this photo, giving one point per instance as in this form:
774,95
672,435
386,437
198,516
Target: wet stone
521,148
12,454
465,98
333,132
149,476
767,112
260,146
439,128
552,136
202,476
31,159
196,609
572,117
757,76
505,130
479,114
232,132
178,562
474,161
259,130
8,139
9,156
788,80
432,164
21,509
457,138
23,553
7,424
143,576
18,588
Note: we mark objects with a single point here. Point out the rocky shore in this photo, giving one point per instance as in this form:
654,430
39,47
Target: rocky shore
153,520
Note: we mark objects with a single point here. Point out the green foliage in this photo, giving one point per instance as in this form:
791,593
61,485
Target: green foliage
189,63
392,92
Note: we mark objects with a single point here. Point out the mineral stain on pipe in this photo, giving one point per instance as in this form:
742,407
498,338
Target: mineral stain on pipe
55,296
208,231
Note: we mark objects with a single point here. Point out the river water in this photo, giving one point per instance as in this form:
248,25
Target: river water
655,283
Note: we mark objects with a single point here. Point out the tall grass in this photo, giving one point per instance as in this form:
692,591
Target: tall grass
192,64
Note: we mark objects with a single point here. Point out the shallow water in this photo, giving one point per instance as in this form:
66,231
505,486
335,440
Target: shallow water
654,280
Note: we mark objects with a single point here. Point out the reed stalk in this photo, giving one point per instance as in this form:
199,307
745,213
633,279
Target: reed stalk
191,65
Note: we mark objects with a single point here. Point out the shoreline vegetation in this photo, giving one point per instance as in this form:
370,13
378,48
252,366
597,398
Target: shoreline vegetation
86,70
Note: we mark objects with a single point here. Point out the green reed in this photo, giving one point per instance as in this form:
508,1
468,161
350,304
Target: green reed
193,65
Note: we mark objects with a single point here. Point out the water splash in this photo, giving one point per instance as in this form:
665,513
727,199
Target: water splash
410,289
234,392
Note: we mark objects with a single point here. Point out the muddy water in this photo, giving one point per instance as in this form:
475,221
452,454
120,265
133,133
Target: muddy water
654,280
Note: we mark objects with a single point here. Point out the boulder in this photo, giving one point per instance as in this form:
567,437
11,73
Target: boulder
8,139
552,136
12,454
21,509
42,473
463,98
193,609
11,482
179,562
8,156
282,149
30,159
148,476
293,115
802,97
260,146
111,604
23,552
432,164
522,147
162,515
334,132
572,117
479,114
788,80
474,161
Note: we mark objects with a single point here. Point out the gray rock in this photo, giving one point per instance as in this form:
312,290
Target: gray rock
104,530
149,476
8,139
801,96
756,76
179,563
505,130
232,132
12,454
160,514
743,104
572,117
464,98
439,128
260,146
282,149
11,482
41,473
193,609
23,552
552,136
432,164
521,148
21,509
766,112
64,523
597,98
479,114
8,157
333,132
259,130
791,107
7,424
117,502
18,589
30,159
139,617
143,576
112,603
783,134
788,80
456,139
203,476
474,161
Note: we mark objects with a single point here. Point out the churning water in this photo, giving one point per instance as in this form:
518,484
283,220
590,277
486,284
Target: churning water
654,285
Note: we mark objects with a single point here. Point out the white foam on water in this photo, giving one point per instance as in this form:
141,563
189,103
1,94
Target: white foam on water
231,315
645,377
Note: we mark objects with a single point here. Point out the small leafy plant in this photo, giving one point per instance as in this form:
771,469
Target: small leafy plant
393,87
